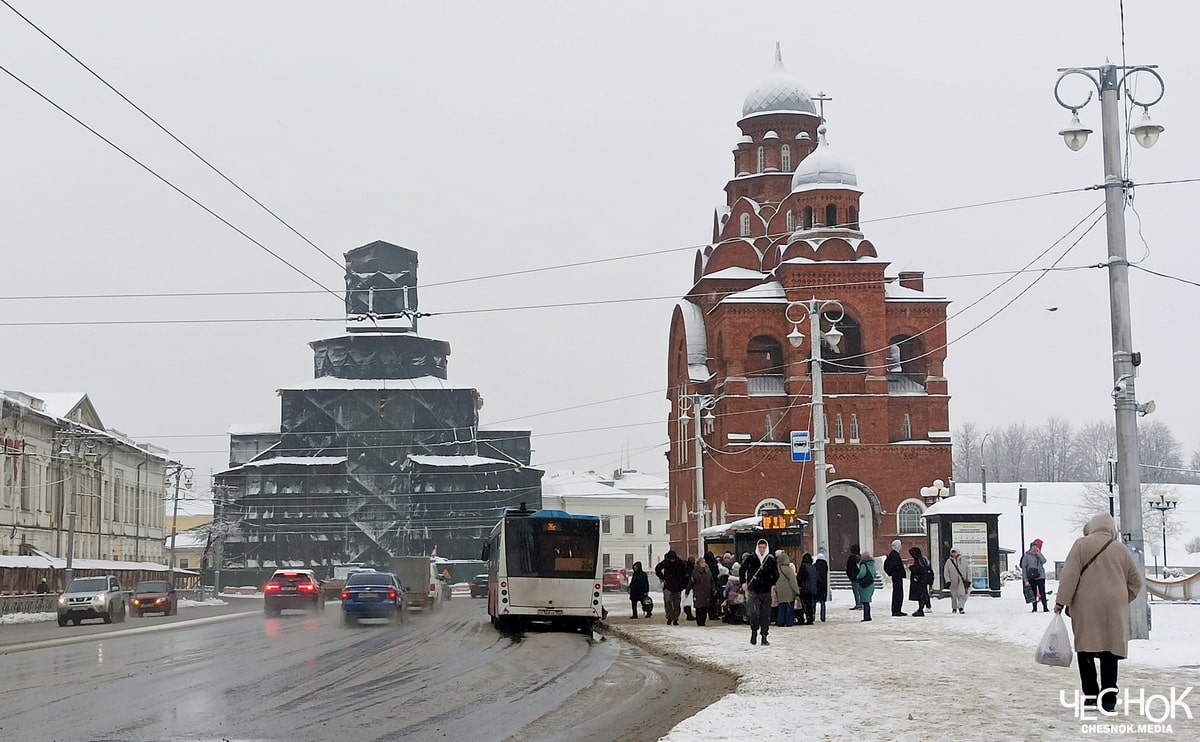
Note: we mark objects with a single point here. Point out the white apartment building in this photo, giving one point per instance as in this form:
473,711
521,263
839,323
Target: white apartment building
56,455
632,507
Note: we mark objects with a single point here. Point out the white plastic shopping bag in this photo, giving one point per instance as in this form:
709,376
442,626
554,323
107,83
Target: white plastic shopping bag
687,601
1055,647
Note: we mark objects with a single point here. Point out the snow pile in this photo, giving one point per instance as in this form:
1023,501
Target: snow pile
188,603
942,676
13,618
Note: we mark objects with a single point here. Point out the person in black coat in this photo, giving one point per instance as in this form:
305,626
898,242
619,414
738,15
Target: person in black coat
852,575
639,587
808,579
673,572
714,612
920,578
893,567
822,567
759,573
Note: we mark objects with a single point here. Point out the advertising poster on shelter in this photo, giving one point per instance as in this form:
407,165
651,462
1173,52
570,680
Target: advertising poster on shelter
971,539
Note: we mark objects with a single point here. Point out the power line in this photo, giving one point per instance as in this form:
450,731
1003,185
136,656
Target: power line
164,180
166,131
1165,275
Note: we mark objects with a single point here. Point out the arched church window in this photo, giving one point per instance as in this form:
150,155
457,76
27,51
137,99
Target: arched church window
907,427
906,357
785,154
745,224
808,217
839,432
831,219
908,518
791,221
853,427
848,358
762,159
852,218
764,355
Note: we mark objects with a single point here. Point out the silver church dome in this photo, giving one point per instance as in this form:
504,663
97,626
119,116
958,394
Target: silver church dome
823,167
779,92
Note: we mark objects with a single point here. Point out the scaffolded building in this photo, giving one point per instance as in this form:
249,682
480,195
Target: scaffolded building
379,455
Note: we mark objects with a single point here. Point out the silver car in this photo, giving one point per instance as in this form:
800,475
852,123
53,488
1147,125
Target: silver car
92,597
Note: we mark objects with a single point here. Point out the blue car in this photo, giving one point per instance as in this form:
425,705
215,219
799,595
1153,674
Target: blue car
373,595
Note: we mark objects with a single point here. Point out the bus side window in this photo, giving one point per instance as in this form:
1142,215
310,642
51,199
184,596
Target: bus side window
487,550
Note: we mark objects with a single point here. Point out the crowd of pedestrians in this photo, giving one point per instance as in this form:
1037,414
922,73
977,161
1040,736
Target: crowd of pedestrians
764,589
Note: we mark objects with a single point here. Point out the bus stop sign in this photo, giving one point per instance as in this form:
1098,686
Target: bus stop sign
801,452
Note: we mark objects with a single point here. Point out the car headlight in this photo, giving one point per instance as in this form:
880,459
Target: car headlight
99,598
62,600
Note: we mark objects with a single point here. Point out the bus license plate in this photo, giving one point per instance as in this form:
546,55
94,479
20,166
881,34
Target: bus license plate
549,611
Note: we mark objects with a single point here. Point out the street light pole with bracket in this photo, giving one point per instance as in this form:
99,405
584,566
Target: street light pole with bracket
701,406
815,309
1109,80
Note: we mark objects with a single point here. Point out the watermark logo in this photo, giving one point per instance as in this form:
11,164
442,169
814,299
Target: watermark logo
1134,711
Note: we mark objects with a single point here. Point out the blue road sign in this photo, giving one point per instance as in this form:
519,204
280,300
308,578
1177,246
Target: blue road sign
801,452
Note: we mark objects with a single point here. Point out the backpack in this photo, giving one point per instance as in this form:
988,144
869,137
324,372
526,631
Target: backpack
867,579
928,572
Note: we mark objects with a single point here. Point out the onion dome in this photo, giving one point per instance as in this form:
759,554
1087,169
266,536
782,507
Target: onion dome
823,168
778,93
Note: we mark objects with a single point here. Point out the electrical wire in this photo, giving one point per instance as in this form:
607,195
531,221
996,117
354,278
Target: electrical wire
165,181
168,132
1165,275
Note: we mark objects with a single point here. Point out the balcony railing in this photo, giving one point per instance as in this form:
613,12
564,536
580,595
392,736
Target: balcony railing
765,386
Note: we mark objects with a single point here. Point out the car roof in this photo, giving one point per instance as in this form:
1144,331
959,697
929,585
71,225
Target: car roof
283,572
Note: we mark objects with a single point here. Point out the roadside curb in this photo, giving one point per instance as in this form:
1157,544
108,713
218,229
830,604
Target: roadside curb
650,646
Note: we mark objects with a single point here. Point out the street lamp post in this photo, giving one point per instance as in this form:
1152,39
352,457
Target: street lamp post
815,308
983,466
1163,502
1109,80
701,405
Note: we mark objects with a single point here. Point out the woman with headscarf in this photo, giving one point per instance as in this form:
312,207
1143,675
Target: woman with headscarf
787,589
1098,582
866,574
701,583
955,573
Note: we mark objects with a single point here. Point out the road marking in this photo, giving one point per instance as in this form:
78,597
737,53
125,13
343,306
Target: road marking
80,639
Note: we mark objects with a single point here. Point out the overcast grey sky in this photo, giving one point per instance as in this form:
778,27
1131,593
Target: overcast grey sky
512,136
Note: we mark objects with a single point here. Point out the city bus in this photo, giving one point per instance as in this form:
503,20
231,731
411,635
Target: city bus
544,566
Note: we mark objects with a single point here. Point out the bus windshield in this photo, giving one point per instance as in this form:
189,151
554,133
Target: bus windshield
552,547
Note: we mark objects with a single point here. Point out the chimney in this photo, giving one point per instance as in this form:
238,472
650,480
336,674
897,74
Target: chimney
914,280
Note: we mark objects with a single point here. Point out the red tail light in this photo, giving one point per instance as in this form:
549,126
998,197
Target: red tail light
271,587
306,587
345,595
391,593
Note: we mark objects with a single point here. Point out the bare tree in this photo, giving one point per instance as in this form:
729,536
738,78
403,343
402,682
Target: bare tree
966,440
1014,452
1094,444
1094,499
1193,546
1159,452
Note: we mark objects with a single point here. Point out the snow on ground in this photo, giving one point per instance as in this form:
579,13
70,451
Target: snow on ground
11,618
188,603
943,676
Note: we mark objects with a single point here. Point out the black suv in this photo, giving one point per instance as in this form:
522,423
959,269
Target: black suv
479,585
292,588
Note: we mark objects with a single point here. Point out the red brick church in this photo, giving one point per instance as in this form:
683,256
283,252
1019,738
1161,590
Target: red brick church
790,232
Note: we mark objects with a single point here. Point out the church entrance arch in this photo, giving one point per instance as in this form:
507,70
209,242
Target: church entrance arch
853,511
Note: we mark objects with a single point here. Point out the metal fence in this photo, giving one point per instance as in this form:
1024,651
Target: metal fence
34,603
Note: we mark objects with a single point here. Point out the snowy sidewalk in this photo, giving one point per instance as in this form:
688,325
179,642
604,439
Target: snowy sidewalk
943,676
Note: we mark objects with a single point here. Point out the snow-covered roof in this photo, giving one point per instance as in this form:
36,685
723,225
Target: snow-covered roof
44,561
457,461
738,273
962,505
696,340
744,524
331,382
187,540
253,428
770,292
291,460
59,404
893,291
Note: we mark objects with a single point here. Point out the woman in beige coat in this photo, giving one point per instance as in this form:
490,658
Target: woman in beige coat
1097,584
956,572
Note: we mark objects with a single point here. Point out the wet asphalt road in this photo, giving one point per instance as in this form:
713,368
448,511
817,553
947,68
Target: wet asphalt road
231,673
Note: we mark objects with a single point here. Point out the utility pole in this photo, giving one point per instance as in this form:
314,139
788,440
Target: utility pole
983,467
68,572
1108,80
179,472
701,406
